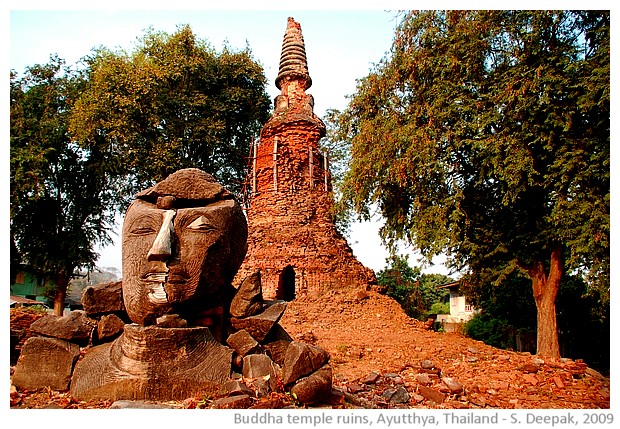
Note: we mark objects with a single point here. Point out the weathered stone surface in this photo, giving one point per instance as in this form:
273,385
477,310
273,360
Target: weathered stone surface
371,378
315,387
261,366
243,343
171,321
258,326
142,405
75,327
432,394
400,396
278,333
108,327
178,269
45,362
302,359
453,385
276,350
424,379
153,363
233,402
236,387
103,298
248,300
427,364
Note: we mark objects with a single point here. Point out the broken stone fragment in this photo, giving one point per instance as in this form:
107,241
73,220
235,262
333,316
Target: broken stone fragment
75,327
260,325
400,396
302,359
261,366
233,402
424,379
108,327
315,387
45,362
171,321
103,298
243,343
236,387
276,350
371,378
432,394
248,300
453,385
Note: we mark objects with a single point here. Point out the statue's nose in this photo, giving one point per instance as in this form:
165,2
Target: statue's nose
161,249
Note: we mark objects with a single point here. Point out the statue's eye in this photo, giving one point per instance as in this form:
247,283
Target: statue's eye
201,224
143,230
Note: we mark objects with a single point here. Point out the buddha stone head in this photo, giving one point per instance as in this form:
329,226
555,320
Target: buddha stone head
183,241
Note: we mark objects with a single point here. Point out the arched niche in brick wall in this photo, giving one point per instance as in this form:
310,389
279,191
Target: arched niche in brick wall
286,284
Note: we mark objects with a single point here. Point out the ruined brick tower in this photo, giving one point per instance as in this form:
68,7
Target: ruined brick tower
292,238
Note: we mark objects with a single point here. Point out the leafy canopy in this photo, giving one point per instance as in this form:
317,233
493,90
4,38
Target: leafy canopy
172,103
61,198
485,134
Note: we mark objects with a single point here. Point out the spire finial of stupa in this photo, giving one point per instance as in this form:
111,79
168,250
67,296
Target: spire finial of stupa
293,61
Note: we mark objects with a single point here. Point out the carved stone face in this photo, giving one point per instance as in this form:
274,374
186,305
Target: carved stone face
179,253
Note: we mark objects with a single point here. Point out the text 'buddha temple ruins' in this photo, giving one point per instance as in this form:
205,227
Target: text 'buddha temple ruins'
292,240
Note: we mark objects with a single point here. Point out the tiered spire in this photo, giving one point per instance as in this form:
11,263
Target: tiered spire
293,61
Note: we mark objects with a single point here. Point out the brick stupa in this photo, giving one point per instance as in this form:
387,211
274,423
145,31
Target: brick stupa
293,241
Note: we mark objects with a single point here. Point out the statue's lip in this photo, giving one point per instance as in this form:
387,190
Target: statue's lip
155,276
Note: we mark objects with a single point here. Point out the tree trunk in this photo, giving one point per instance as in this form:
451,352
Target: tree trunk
545,287
61,293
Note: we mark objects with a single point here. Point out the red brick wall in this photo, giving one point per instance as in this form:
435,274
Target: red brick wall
292,225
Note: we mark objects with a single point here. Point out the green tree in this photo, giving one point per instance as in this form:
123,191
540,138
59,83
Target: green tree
485,135
61,200
414,291
174,102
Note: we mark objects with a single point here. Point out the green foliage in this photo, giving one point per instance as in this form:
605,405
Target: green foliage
440,308
414,291
61,198
485,135
174,102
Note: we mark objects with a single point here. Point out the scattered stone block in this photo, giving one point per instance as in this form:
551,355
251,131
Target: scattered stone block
46,362
109,327
235,387
371,378
233,402
276,350
75,327
315,387
248,301
243,343
261,366
302,359
103,298
258,326
424,379
454,386
432,394
400,396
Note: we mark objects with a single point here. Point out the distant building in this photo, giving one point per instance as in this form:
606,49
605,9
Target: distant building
460,310
30,285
